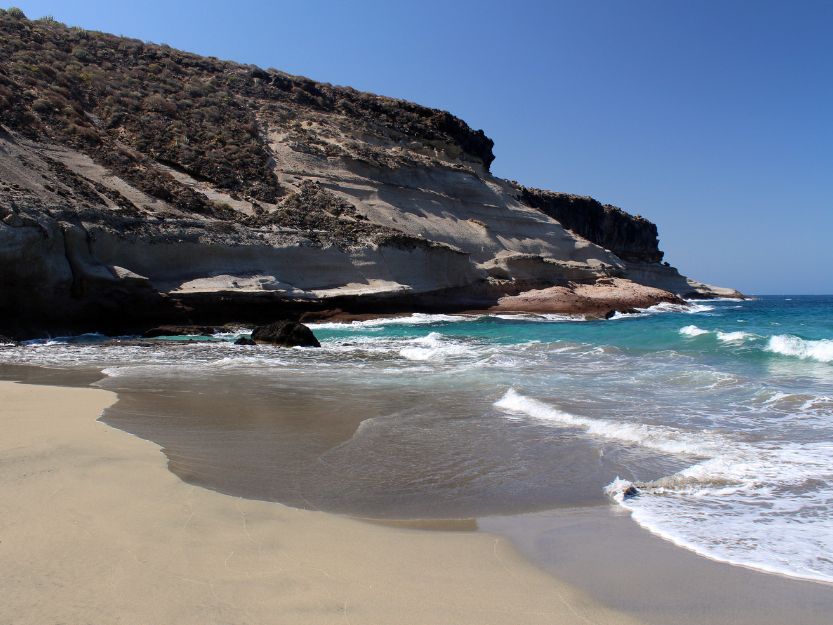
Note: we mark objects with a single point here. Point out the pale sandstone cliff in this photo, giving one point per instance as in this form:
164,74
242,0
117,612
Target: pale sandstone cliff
141,184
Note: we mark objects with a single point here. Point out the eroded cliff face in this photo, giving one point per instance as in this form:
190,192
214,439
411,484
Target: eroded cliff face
631,237
141,184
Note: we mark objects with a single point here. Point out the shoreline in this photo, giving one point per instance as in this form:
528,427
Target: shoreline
599,300
577,562
97,529
599,311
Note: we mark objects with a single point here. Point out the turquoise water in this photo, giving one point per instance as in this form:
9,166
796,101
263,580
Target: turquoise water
807,317
720,414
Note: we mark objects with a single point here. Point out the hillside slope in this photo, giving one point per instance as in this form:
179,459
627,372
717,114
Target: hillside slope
139,183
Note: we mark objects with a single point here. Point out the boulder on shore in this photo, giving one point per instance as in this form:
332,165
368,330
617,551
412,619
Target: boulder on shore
286,334
244,341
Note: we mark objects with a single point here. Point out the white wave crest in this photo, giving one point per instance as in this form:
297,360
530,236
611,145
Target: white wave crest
434,347
725,458
658,437
732,337
233,335
617,488
788,345
693,330
690,308
414,319
540,317
663,307
725,337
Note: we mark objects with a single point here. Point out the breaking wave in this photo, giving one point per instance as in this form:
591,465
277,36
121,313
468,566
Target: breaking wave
820,350
762,505
732,337
725,337
405,320
434,347
661,438
788,345
691,308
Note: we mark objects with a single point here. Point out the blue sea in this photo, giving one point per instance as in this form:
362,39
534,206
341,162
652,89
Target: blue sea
720,414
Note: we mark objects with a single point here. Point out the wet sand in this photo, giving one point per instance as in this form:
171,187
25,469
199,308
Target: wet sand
604,553
95,529
364,448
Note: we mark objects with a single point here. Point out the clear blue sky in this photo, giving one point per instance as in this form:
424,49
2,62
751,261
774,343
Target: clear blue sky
713,118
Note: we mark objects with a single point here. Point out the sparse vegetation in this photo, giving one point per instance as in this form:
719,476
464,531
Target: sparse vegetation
132,105
48,19
323,216
94,91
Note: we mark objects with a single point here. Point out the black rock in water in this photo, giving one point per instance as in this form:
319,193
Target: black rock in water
630,491
286,334
244,341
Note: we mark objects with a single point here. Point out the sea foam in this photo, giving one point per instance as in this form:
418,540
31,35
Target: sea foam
725,337
693,330
414,319
661,438
732,337
434,347
758,505
691,308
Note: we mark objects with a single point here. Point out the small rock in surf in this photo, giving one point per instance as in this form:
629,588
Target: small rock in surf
286,334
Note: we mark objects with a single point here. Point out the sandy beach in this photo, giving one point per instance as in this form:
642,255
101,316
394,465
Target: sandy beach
96,530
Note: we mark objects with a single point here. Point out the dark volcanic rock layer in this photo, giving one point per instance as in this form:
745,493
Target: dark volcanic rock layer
631,237
142,185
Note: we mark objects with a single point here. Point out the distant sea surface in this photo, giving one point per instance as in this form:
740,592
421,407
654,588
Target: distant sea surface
721,416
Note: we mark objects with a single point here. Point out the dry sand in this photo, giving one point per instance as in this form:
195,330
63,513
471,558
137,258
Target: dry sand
95,530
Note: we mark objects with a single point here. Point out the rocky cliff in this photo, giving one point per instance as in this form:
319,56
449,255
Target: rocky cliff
141,184
631,237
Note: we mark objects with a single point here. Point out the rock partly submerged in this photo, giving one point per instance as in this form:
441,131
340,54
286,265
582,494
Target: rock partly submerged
141,185
285,334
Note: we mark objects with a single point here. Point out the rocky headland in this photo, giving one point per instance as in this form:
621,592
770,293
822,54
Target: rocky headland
142,185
